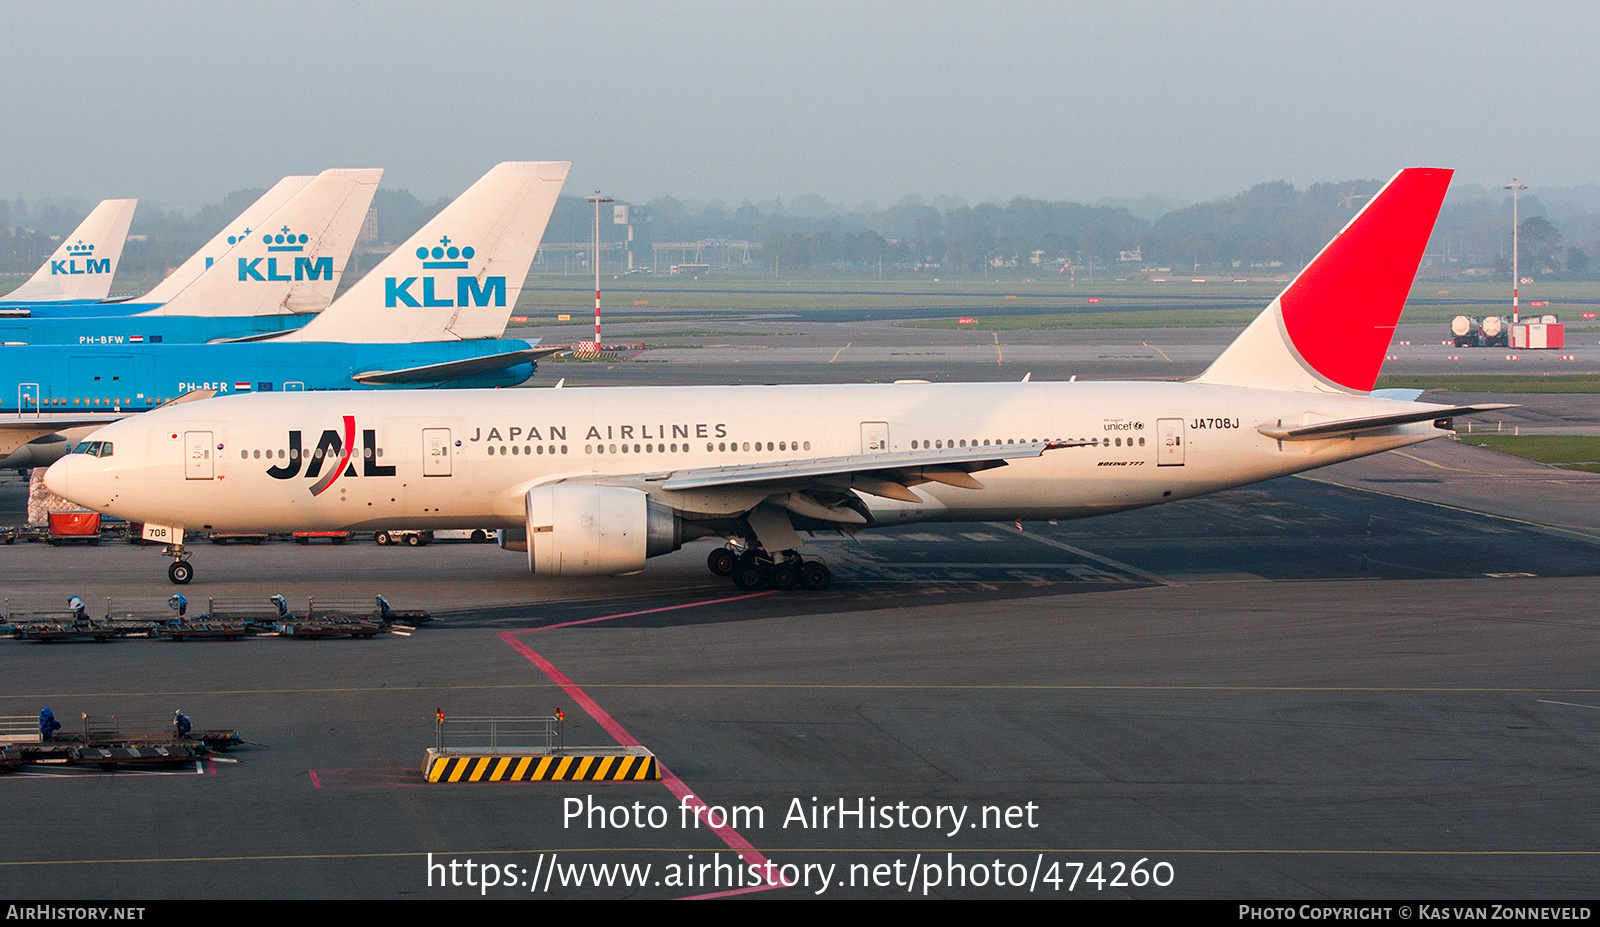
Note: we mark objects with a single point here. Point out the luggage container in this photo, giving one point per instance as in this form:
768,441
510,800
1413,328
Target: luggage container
74,526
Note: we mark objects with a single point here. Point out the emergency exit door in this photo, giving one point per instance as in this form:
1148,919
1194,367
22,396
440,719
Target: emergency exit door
1170,440
874,437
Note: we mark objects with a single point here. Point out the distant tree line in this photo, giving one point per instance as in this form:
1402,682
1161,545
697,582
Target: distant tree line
1271,226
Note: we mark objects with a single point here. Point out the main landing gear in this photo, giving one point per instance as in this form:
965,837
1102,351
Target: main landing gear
754,568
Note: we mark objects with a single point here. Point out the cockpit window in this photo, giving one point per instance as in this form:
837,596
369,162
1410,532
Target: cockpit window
94,448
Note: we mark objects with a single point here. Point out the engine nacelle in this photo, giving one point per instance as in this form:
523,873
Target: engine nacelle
581,530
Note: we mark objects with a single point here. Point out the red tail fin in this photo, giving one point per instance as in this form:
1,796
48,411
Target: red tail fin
1335,320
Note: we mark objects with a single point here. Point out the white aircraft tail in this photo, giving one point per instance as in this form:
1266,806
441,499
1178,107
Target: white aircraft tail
255,214
460,275
82,267
290,263
1329,329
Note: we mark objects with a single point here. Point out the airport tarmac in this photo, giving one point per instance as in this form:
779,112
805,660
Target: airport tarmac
1376,680
753,348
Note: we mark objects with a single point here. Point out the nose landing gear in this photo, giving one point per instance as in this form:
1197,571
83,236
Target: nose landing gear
180,571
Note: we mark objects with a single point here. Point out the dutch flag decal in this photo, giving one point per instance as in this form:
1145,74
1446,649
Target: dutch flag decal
243,387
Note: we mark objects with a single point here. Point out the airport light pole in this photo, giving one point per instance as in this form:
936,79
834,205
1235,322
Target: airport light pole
1516,272
597,199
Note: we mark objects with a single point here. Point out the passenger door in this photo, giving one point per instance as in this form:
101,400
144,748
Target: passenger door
198,461
436,452
28,399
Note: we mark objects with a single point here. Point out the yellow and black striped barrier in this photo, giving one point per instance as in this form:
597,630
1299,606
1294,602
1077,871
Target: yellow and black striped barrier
620,764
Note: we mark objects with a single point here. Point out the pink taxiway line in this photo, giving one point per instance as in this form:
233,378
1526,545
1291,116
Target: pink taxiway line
686,796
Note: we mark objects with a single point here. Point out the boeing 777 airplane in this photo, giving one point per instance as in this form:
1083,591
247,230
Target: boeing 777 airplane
595,481
81,269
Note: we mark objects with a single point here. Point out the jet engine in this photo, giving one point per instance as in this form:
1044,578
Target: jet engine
576,529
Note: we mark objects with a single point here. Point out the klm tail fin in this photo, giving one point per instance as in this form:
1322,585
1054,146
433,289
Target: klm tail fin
253,216
1328,331
82,268
291,262
460,276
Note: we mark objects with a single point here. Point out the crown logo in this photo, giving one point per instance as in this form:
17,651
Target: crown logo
79,249
445,255
235,239
285,240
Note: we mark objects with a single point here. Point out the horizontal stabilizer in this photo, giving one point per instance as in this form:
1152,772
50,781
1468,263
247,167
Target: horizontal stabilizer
452,370
1350,426
258,336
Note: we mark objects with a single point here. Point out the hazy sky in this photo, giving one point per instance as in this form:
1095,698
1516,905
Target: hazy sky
181,103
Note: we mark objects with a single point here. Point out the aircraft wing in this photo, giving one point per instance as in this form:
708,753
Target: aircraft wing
823,490
886,475
1348,426
451,370
15,431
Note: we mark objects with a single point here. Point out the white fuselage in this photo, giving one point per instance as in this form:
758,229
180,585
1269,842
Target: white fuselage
467,458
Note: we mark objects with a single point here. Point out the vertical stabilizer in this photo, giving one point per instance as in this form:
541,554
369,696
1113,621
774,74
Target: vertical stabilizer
255,214
1328,331
82,267
459,276
291,263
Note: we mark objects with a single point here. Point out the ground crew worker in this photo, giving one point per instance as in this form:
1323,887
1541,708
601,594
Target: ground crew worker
181,724
48,724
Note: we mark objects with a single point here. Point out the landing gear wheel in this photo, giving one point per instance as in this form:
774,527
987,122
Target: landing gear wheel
815,575
786,575
748,574
180,572
721,562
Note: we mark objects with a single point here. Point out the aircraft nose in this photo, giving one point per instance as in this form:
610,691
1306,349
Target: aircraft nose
56,478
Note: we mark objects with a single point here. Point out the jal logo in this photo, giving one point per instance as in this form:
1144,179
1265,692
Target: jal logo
434,292
79,260
331,458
